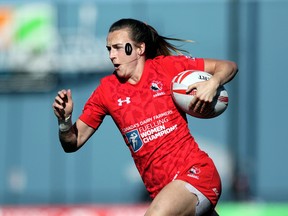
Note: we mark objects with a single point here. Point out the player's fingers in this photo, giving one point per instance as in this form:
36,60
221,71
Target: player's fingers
191,88
69,95
57,105
58,100
58,109
58,112
62,93
62,98
195,105
203,107
198,106
209,109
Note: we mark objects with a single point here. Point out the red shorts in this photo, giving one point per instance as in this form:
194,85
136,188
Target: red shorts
204,176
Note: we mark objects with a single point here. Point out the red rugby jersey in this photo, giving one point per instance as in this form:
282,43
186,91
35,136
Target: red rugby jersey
155,131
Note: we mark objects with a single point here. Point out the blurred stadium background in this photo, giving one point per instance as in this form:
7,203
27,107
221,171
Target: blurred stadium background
49,45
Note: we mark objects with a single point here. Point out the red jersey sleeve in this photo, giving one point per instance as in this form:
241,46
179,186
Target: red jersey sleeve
94,110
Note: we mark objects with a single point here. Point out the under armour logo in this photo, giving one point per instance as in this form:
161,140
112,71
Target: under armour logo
127,100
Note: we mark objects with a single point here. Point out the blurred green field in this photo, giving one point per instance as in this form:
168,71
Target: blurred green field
253,209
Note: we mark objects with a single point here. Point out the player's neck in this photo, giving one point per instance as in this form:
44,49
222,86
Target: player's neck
137,74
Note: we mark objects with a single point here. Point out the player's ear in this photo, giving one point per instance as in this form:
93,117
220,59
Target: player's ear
141,49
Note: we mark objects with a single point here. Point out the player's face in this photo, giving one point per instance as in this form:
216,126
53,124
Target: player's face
123,64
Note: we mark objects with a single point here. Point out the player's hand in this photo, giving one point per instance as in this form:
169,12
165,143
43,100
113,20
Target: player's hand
203,92
63,104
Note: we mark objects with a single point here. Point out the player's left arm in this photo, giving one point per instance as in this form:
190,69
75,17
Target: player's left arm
222,70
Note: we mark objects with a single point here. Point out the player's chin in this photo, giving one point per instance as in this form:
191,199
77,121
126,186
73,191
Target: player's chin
118,72
121,75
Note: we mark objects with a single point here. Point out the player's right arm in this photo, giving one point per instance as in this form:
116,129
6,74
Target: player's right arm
76,136
72,137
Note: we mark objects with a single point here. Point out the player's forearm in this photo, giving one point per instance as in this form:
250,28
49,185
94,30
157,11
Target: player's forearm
225,71
68,134
222,70
68,139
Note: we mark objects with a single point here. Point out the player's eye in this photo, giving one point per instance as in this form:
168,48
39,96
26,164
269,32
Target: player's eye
108,48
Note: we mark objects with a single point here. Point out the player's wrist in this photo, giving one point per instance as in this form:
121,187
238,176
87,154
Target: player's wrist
65,124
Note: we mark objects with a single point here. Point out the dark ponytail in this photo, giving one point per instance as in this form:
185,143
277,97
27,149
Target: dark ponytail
141,32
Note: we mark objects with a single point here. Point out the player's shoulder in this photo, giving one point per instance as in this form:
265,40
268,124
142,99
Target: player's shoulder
173,58
109,79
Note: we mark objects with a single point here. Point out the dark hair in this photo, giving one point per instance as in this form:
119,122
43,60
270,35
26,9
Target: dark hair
141,32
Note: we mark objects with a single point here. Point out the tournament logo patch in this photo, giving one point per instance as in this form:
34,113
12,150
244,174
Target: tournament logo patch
134,140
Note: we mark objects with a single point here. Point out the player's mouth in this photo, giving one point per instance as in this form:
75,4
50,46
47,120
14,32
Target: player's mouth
116,66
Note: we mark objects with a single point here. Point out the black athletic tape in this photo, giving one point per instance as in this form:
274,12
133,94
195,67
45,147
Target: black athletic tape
128,49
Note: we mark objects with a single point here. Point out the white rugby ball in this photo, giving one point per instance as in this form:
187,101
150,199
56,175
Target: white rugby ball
180,84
